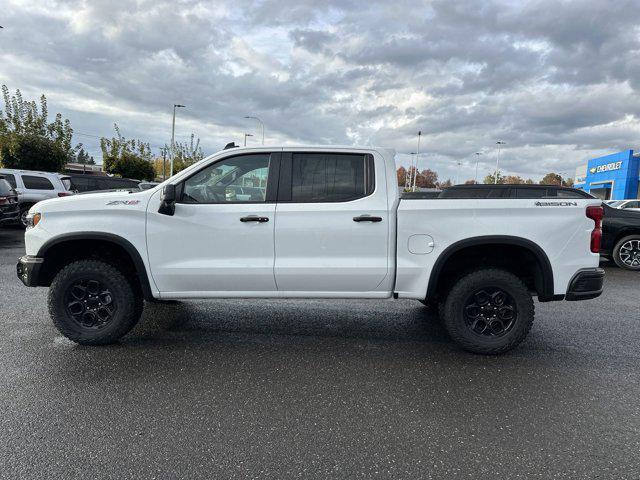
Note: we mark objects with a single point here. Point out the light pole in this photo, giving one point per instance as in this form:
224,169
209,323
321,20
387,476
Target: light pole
415,176
261,125
499,144
173,135
458,172
477,158
245,138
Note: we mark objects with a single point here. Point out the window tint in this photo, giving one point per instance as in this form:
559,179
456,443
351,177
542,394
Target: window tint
36,183
329,177
465,193
9,178
569,194
233,180
530,192
632,205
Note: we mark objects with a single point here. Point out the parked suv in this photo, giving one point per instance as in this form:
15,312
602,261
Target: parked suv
89,183
33,187
9,209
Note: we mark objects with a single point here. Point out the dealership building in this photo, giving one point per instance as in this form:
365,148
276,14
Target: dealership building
612,177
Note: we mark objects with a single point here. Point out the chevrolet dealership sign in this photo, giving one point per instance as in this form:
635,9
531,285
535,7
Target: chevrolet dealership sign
607,167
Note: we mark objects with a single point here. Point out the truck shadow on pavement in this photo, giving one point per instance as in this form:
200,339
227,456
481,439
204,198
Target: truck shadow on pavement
280,321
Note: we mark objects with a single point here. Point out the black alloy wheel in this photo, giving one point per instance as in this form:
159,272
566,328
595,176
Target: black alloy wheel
490,312
90,303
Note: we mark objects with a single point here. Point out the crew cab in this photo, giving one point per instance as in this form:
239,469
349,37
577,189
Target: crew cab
309,222
621,237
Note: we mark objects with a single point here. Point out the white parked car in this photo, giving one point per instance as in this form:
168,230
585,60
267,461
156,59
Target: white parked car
328,224
33,187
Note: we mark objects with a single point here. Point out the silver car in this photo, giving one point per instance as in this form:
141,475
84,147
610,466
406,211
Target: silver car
33,187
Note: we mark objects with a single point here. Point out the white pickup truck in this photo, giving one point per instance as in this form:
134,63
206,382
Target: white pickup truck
310,222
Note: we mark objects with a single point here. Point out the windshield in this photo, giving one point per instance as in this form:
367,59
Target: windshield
615,204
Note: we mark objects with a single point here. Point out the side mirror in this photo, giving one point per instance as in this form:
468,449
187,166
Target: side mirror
168,200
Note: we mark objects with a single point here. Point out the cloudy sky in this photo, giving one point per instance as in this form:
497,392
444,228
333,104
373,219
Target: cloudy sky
558,81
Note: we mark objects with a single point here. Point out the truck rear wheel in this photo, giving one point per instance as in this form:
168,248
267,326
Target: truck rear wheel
489,311
92,303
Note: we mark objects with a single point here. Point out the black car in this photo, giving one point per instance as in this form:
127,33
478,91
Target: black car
90,183
621,237
9,207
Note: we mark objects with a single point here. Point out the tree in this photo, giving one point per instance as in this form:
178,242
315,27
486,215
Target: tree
551,179
186,154
514,179
490,179
401,173
427,179
28,140
567,182
31,152
127,158
84,158
470,182
446,184
131,165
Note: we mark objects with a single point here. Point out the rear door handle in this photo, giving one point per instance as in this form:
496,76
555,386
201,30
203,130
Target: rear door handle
367,218
254,218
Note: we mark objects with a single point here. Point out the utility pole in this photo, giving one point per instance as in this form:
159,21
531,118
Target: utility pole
477,158
173,136
415,176
499,144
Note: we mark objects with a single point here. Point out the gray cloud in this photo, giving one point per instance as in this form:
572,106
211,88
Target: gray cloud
558,81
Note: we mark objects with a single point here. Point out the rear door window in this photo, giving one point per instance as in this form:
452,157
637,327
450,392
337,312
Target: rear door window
9,178
326,177
531,192
32,182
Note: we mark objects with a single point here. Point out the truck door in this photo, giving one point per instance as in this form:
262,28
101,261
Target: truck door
332,225
220,238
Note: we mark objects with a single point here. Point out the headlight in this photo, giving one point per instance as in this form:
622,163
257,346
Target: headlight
33,219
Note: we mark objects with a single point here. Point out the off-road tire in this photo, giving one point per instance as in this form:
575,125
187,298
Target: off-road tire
453,311
128,302
616,253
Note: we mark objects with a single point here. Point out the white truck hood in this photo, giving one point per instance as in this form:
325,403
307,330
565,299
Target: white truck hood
93,201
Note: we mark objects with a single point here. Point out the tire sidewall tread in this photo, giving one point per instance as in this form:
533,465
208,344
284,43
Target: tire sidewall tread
454,322
129,304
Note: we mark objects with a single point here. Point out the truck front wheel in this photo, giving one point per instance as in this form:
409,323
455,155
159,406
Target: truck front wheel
93,303
489,311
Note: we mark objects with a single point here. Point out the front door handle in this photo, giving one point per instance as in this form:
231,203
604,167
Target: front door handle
367,218
254,218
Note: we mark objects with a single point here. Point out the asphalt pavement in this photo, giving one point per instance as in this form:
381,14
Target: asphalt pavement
318,389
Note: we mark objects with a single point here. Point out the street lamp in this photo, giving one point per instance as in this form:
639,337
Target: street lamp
261,125
173,136
477,158
499,144
245,138
458,172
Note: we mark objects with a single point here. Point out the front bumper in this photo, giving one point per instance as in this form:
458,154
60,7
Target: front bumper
10,215
586,284
28,270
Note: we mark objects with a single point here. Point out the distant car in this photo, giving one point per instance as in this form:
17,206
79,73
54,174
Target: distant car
90,183
621,237
33,187
9,207
147,185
